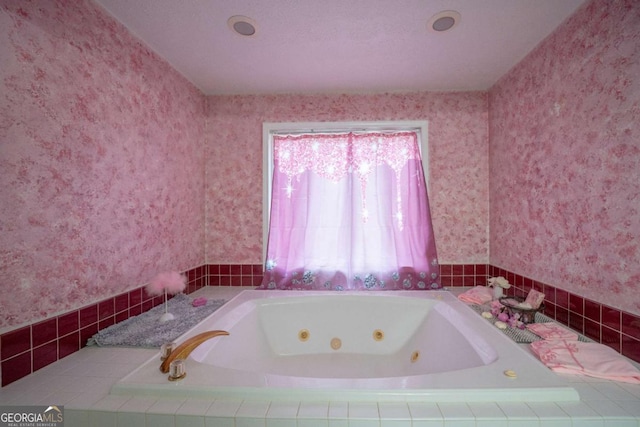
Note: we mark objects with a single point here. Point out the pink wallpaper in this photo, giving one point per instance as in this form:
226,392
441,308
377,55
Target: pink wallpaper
565,158
458,150
101,160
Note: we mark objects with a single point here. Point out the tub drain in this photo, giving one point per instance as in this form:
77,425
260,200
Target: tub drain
378,335
415,356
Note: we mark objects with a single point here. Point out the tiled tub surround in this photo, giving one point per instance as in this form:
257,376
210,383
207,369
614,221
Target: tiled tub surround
618,329
88,403
32,347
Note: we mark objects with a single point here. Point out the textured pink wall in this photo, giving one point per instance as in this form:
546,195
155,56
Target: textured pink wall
565,158
458,151
101,160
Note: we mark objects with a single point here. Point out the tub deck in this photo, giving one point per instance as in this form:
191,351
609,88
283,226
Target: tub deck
81,382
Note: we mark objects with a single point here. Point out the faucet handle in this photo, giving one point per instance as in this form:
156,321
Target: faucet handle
166,349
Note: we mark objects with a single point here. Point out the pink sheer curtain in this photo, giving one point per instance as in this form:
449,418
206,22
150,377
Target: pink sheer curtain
350,211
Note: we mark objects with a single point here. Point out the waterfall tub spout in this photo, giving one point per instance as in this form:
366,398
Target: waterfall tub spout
352,346
184,350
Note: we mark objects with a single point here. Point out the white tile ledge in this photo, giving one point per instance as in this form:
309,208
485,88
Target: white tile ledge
87,403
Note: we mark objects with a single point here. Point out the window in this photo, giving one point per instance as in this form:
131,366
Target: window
348,207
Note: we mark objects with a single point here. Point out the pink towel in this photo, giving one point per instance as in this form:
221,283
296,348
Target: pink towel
198,302
477,295
552,331
534,299
585,358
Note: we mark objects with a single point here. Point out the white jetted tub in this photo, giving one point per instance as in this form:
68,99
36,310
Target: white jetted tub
352,346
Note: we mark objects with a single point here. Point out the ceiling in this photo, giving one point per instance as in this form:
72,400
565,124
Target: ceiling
341,46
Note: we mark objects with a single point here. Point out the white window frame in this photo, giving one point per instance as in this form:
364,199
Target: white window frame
269,129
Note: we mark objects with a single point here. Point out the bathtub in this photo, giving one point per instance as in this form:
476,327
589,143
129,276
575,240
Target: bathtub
352,346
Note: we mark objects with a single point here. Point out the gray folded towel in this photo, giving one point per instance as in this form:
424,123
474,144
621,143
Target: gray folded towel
145,330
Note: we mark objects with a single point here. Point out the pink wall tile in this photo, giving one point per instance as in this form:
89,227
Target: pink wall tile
15,368
565,159
458,162
121,302
576,322
611,338
631,325
562,298
611,317
630,347
45,355
123,315
88,315
135,297
102,162
106,309
43,332
592,330
88,332
592,310
68,323
68,344
135,310
15,342
576,304
108,321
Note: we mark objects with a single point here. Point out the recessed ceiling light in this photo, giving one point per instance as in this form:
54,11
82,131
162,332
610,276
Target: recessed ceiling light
444,21
242,25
